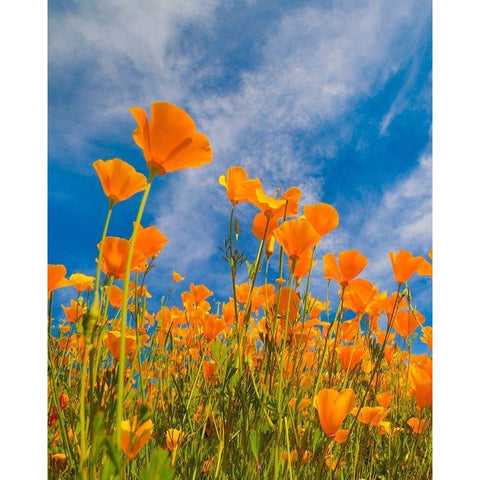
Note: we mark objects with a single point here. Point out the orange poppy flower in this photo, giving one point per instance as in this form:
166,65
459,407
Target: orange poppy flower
404,265
82,282
372,415
119,179
75,311
416,425
322,217
302,265
239,187
292,196
177,277
350,264
209,368
332,408
170,141
115,295
56,277
358,295
349,330
150,241
174,438
114,257
384,399
260,225
112,341
282,298
199,293
212,326
406,322
350,355
268,205
134,436
296,237
421,386
427,336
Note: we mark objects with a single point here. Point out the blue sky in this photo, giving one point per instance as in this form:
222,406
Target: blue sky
333,97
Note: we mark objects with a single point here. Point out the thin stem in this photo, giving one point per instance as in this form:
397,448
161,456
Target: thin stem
121,362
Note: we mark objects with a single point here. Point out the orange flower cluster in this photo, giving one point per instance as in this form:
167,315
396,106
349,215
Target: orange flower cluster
276,381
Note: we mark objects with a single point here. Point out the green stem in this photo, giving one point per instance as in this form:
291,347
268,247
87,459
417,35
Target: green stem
121,362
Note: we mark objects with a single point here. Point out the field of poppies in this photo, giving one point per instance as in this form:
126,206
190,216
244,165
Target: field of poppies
277,382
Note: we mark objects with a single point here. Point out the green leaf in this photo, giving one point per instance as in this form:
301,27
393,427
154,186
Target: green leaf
255,444
159,466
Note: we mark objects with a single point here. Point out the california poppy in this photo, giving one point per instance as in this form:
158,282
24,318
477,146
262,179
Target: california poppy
82,282
406,322
296,237
268,205
384,399
404,265
372,415
170,141
427,336
358,294
303,265
56,277
322,217
421,386
150,241
112,341
350,264
239,187
177,277
416,424
114,257
260,228
212,326
135,436
75,311
119,179
333,407
350,355
174,438
115,295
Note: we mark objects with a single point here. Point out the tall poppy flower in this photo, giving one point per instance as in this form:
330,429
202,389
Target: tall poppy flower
350,355
296,237
119,179
114,257
56,277
112,341
350,264
421,386
406,322
404,265
212,326
260,228
82,282
416,424
332,408
135,436
358,295
174,438
322,217
238,185
150,241
177,277
170,140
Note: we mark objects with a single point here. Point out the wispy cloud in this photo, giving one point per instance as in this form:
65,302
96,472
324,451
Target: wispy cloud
284,121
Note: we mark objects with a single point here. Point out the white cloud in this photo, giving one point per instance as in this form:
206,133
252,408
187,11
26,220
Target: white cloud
315,67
